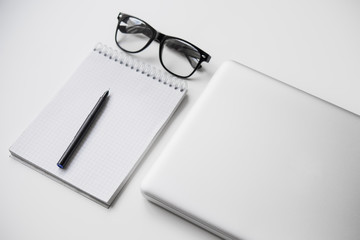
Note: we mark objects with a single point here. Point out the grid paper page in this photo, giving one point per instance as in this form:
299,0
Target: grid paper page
136,110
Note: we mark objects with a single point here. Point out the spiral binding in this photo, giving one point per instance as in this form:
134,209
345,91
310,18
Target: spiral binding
138,66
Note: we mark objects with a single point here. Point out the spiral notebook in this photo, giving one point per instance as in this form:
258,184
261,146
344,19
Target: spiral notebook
142,99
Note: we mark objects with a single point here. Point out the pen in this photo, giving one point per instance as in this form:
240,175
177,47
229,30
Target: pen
82,131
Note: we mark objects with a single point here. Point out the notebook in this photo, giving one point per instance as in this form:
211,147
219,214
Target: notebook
258,159
141,101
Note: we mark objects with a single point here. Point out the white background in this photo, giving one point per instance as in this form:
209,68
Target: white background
313,45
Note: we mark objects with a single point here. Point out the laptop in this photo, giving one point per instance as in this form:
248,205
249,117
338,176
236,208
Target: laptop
258,159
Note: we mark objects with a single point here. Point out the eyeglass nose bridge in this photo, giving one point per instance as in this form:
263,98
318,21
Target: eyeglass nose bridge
159,37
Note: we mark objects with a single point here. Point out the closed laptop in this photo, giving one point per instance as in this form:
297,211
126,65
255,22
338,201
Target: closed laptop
258,159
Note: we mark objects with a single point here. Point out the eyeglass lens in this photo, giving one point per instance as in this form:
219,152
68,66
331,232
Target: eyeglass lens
133,34
179,57
176,55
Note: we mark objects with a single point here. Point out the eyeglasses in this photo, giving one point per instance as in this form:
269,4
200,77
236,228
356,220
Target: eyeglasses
177,56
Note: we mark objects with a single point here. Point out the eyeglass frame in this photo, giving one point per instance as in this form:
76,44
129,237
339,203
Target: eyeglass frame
160,38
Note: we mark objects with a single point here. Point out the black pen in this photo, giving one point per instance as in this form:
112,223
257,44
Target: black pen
82,131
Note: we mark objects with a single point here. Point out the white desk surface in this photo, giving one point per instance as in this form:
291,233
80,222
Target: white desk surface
312,45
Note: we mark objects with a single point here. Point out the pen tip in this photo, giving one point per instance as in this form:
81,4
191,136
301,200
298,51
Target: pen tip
60,166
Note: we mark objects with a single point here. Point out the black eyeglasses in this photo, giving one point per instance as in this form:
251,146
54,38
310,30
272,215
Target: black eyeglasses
177,56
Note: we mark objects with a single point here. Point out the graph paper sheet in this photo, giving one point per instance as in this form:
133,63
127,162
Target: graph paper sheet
135,112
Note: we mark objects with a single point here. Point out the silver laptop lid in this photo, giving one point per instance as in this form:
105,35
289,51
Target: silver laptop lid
258,159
